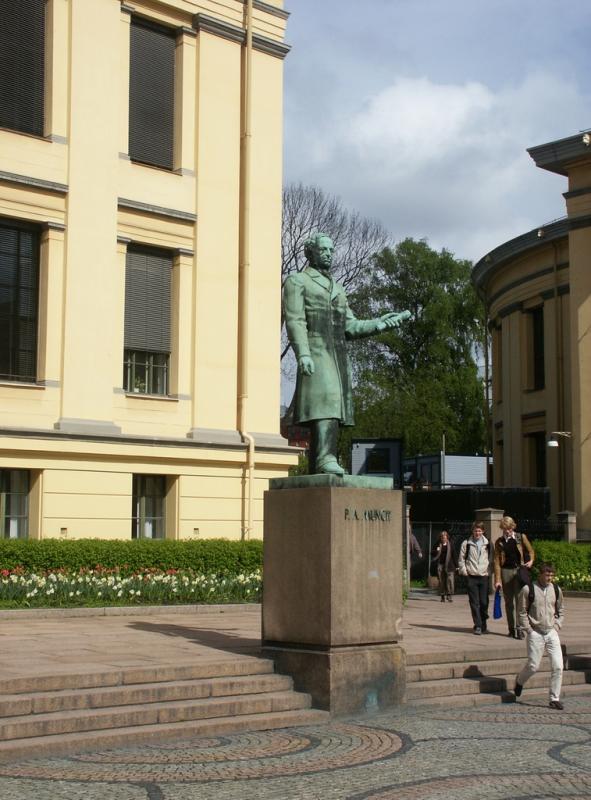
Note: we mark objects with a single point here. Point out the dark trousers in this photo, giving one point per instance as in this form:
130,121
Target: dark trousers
511,589
478,599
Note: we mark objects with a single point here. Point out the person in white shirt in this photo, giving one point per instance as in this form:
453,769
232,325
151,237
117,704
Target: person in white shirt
541,614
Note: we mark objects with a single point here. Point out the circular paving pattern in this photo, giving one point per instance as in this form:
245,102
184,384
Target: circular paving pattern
530,752
549,786
242,756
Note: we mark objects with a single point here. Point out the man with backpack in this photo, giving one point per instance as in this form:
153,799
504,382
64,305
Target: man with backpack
474,564
541,612
513,551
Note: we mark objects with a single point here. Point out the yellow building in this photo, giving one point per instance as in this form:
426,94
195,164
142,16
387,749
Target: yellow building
537,290
140,217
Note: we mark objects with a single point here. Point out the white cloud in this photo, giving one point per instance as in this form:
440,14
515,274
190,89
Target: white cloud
414,121
442,160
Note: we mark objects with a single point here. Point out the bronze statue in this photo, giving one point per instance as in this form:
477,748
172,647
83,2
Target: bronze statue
319,321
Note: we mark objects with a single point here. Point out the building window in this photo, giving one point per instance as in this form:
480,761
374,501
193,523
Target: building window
499,454
537,458
151,94
148,518
497,362
147,320
14,503
22,66
19,290
146,373
538,379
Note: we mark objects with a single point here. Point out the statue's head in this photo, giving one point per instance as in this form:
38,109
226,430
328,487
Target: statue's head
318,249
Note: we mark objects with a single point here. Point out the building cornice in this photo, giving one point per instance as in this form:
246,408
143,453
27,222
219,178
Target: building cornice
266,443
557,156
577,192
147,208
205,23
484,269
269,9
533,415
34,183
540,273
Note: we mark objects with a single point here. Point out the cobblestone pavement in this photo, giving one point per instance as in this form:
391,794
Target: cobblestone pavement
521,751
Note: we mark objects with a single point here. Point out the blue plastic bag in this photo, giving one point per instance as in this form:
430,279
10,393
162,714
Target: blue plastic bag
497,610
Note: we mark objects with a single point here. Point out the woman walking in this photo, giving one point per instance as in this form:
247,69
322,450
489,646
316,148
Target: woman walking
444,557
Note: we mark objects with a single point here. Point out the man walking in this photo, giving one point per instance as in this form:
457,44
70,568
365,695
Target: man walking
541,612
473,563
512,551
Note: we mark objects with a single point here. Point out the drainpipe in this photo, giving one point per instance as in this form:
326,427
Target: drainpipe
244,269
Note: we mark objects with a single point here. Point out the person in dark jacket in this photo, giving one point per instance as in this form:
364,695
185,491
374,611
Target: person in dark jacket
443,556
512,551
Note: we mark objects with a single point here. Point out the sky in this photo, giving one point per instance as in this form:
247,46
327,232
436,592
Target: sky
418,112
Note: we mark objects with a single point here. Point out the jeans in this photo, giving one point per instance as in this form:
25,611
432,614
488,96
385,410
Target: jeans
478,599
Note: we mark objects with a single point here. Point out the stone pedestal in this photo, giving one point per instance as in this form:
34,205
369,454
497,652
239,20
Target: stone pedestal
332,597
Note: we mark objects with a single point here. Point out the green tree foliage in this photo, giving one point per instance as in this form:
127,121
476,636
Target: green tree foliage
421,380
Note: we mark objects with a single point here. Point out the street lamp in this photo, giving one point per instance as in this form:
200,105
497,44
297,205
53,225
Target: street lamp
553,440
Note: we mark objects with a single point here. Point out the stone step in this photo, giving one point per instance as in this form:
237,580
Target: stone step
106,696
463,669
431,672
579,662
35,725
466,700
486,684
488,651
62,744
244,665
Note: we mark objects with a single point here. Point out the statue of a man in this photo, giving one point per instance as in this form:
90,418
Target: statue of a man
319,321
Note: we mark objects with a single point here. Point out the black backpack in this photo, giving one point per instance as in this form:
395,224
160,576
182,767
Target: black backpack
557,597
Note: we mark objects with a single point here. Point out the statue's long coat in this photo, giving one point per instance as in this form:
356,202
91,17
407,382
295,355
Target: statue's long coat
318,321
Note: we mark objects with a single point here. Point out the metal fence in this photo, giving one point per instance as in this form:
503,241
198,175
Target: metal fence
550,529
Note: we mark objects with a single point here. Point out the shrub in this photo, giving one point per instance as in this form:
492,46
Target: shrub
568,558
206,556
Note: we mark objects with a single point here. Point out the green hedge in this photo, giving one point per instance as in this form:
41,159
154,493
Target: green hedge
568,558
207,556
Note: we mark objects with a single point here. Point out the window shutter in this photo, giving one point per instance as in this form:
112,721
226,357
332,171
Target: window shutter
147,300
19,290
22,65
151,94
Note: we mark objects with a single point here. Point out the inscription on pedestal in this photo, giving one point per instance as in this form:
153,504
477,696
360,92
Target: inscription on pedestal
368,514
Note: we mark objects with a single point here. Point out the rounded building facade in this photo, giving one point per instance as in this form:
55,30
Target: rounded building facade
537,291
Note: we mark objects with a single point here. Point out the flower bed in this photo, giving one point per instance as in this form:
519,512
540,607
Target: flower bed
102,587
574,581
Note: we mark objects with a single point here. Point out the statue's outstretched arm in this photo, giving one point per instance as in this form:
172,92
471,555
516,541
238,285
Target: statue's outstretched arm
358,328
391,320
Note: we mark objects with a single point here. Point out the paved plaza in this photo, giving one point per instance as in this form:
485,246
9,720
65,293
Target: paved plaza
522,751
516,751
